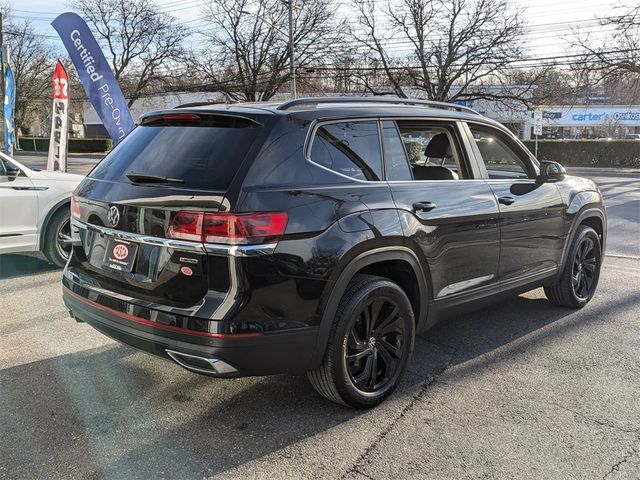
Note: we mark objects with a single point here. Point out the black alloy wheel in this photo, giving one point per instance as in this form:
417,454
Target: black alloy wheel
584,268
369,346
577,282
375,344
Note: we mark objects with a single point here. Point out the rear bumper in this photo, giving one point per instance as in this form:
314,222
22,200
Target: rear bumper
287,351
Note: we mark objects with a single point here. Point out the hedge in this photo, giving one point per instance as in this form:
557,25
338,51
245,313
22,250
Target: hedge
76,145
589,153
572,153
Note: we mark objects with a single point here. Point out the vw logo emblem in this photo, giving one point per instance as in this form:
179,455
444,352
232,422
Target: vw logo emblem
113,216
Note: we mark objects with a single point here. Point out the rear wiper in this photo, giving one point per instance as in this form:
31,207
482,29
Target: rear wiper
146,178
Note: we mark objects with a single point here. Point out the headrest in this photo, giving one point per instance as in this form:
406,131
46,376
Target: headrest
438,147
421,172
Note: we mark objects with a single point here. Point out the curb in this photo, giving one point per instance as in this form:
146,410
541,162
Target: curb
606,169
22,153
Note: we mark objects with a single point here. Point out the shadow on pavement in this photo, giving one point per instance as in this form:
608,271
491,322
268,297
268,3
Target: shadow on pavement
12,266
127,414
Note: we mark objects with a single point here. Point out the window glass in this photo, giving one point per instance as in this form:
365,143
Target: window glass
3,170
204,155
349,148
499,159
394,154
430,150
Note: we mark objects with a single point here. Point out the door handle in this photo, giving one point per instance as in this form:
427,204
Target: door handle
423,206
506,200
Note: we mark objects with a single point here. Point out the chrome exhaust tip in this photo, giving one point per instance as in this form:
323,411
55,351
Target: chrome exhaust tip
206,366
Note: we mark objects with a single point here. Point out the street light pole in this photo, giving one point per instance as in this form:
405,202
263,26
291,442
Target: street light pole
292,66
292,52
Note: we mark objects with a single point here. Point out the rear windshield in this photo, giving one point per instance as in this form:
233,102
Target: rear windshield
204,155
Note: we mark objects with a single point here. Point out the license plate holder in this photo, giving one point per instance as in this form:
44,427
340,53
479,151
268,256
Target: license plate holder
120,255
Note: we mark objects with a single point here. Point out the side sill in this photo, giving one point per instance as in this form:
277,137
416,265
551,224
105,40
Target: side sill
441,309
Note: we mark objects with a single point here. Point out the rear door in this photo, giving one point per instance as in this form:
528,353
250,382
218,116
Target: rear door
531,213
452,222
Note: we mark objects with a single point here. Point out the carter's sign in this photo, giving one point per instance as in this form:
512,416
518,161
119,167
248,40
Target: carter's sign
592,116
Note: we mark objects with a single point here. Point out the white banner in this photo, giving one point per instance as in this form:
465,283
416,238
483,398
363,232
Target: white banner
59,121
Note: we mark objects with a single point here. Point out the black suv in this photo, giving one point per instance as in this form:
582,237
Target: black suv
319,235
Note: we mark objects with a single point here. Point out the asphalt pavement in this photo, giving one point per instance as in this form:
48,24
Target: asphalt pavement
520,390
621,191
76,163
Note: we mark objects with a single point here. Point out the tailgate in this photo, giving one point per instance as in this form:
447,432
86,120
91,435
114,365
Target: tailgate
125,209
135,258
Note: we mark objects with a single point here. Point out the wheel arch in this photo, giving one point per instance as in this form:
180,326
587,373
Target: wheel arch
47,219
378,261
593,217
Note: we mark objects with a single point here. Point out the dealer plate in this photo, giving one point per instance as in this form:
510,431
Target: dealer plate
120,255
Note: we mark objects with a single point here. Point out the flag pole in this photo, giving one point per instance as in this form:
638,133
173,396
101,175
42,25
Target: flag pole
2,61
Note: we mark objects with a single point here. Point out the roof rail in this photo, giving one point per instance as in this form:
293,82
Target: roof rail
315,101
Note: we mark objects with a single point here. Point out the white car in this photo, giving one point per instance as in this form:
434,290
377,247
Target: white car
35,210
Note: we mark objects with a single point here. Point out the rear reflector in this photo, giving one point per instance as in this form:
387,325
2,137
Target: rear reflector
226,227
161,326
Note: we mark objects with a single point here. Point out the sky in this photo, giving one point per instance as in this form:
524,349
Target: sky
549,22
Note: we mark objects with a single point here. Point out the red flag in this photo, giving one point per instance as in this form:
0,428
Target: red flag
60,83
59,120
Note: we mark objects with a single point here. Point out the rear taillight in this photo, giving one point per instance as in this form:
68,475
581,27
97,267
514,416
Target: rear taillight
217,226
186,226
227,227
75,206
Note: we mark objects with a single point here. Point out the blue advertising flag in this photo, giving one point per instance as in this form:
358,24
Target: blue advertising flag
96,76
9,103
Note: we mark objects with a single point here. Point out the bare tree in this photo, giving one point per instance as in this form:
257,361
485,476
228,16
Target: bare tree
454,48
550,85
29,53
247,51
374,38
142,42
617,55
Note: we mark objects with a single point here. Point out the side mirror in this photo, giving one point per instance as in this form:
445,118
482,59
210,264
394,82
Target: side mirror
551,172
11,171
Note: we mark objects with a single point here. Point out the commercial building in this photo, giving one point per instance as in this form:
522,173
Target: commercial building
589,121
558,121
93,125
569,122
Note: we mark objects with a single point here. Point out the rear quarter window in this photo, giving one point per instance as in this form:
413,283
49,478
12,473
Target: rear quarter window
349,148
204,154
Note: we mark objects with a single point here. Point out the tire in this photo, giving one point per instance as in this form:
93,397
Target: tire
58,227
370,343
579,278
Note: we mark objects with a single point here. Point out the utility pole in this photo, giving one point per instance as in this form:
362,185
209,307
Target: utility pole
292,52
292,66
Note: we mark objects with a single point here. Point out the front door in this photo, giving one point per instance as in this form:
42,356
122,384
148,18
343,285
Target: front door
447,214
531,212
18,212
